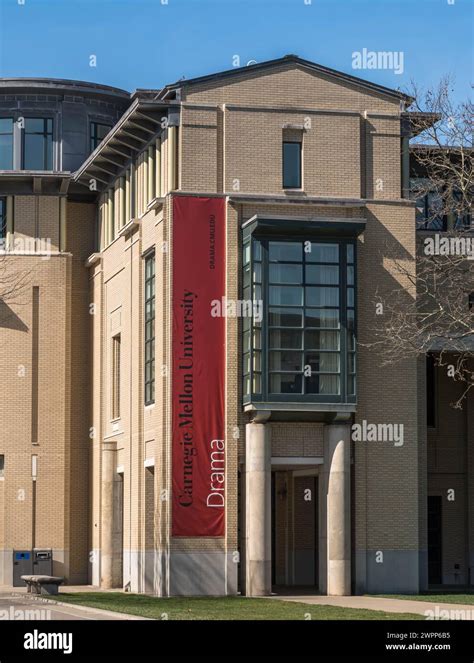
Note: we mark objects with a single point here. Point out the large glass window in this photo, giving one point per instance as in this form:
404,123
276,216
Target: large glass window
150,329
98,132
292,165
6,143
38,144
304,346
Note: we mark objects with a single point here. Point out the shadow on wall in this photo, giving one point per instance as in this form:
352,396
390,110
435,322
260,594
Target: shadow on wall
9,319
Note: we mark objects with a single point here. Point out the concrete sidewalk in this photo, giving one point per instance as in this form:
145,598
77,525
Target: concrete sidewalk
16,598
386,605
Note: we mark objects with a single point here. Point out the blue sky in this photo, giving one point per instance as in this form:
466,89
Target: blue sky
144,43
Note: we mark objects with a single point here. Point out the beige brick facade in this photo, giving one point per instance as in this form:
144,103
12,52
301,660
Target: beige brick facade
104,479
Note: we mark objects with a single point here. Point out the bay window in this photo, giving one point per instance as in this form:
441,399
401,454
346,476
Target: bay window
303,348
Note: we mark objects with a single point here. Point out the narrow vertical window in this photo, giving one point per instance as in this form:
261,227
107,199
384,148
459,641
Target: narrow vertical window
38,144
6,143
292,165
150,329
116,377
3,220
430,391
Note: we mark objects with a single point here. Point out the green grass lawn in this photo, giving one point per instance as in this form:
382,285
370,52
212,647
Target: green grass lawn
230,608
433,597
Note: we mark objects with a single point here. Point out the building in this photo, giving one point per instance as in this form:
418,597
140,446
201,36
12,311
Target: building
181,372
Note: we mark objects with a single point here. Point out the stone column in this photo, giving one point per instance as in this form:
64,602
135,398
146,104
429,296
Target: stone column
337,466
258,548
109,469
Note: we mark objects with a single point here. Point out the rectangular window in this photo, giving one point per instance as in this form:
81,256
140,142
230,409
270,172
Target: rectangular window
2,466
116,377
3,218
6,143
430,391
98,132
292,165
304,345
150,329
38,144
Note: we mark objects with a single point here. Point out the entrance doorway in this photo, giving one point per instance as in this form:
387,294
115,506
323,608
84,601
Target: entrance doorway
435,557
295,528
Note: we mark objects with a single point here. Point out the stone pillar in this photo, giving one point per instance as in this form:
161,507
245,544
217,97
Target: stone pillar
258,546
337,469
109,469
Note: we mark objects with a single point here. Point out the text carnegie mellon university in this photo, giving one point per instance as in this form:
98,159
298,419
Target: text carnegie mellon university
186,363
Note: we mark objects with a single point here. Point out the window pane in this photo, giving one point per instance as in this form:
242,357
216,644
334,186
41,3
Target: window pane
325,385
257,251
322,318
286,295
322,296
257,339
285,317
34,152
350,297
285,383
322,252
323,362
6,125
246,254
49,153
351,344
35,125
322,274
280,273
246,384
350,253
351,385
6,152
350,320
351,366
350,275
285,339
246,342
292,165
322,340
285,251
257,383
257,361
257,272
286,361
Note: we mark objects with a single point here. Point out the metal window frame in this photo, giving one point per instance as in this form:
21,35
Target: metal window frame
12,134
266,395
286,186
149,385
93,139
44,134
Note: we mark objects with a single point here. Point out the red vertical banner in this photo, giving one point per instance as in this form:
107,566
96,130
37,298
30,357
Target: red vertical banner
198,368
